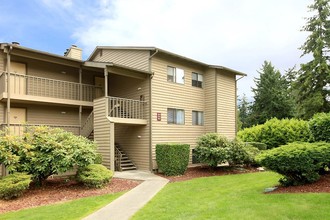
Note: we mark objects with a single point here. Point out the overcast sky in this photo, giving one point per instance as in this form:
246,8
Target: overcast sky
239,34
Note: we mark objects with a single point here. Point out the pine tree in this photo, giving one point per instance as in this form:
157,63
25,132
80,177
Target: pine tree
314,76
271,98
243,112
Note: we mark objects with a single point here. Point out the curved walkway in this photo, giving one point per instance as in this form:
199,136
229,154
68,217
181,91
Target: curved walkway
128,204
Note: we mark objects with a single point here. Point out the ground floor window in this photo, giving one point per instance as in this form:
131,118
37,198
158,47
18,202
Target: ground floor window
197,118
175,116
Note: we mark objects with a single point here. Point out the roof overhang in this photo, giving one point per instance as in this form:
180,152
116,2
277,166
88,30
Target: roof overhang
39,55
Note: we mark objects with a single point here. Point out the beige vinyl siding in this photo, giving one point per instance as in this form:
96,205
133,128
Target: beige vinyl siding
138,59
133,139
226,100
179,96
2,113
210,101
102,130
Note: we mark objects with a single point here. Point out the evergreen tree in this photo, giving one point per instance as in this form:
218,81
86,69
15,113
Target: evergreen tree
271,98
314,76
243,112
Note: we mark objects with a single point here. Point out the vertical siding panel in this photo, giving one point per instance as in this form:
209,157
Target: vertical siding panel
171,95
210,101
102,130
138,59
226,95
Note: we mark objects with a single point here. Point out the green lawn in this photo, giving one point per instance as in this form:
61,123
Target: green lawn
76,209
233,197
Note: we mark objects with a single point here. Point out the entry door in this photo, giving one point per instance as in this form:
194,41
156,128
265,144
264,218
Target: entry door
18,80
100,82
17,119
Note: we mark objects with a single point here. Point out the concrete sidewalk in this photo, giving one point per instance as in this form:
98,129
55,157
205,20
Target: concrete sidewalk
128,204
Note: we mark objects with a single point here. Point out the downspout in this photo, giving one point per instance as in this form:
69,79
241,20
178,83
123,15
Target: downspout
236,128
150,112
8,86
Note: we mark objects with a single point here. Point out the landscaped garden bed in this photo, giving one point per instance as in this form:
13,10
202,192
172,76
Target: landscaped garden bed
61,190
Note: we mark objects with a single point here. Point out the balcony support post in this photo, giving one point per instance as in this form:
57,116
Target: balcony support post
80,98
8,85
106,81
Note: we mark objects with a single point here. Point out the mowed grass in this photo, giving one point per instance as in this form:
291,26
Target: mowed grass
76,209
234,197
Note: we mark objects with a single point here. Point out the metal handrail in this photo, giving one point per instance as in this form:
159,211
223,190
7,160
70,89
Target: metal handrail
118,157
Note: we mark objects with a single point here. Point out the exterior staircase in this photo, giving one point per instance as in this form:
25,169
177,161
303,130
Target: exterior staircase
122,162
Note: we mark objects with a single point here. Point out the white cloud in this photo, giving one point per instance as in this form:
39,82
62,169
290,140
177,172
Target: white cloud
239,34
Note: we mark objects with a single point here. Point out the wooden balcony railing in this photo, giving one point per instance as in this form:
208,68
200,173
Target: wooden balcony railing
45,87
126,108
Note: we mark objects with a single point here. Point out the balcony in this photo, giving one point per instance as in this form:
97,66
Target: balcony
33,88
19,129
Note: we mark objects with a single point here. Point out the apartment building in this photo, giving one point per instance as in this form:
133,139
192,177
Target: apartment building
128,99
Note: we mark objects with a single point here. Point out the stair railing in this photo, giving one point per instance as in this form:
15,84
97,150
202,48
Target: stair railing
88,126
118,157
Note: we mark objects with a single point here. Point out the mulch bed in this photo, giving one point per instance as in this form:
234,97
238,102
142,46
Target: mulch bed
60,190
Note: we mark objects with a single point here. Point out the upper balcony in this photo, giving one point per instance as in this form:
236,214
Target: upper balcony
38,89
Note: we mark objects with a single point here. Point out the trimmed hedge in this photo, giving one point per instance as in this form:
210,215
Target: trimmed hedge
13,185
320,127
172,159
299,163
275,132
94,175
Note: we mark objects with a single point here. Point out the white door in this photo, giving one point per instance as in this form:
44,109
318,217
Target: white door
99,82
18,78
17,119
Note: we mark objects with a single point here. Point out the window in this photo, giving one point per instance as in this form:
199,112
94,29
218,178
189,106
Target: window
175,116
197,80
197,118
175,75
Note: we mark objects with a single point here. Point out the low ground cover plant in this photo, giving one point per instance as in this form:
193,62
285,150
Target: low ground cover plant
13,185
172,159
94,175
299,163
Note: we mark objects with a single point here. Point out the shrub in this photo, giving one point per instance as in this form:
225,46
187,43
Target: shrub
172,159
258,145
239,153
43,151
94,175
98,159
299,163
277,132
320,127
13,185
212,149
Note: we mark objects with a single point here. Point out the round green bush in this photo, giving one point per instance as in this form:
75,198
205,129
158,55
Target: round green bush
13,185
212,149
172,159
275,132
320,127
94,176
299,163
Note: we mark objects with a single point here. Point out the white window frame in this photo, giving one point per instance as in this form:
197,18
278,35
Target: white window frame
175,75
197,118
197,82
178,116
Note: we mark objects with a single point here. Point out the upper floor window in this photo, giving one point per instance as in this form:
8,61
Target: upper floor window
197,80
175,75
175,116
197,118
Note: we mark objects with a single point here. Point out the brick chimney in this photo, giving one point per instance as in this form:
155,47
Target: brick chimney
74,52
